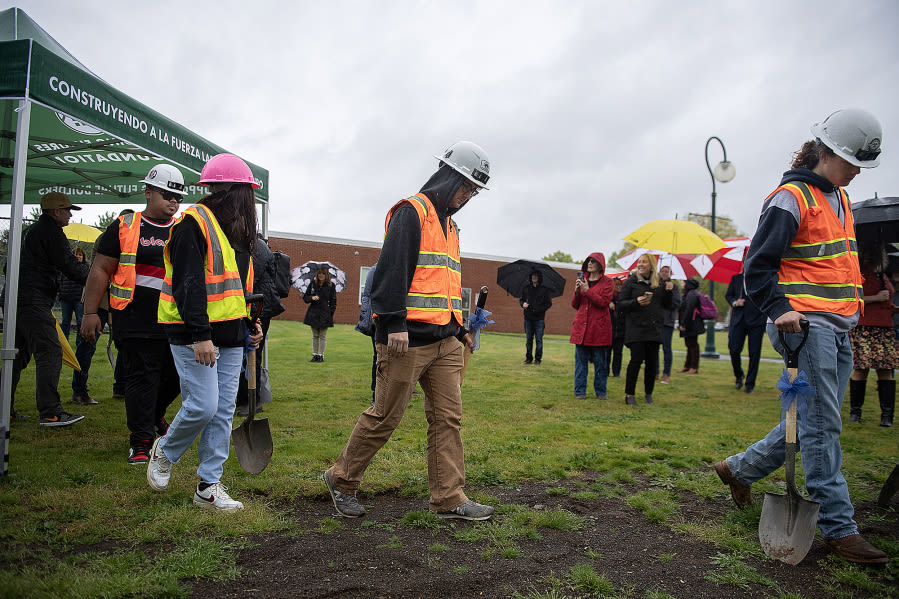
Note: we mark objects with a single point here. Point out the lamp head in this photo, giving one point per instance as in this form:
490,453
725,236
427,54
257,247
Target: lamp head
724,171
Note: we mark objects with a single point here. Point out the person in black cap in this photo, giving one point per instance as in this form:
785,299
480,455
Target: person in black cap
45,253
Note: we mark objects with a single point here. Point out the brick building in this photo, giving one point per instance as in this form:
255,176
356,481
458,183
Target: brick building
354,257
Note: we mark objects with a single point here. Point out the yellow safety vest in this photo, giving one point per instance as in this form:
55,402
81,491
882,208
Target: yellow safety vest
121,288
224,288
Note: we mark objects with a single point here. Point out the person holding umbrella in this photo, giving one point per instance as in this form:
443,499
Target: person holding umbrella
535,300
802,265
203,308
45,254
417,299
321,295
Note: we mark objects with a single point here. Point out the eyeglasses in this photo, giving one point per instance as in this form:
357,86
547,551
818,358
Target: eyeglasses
472,190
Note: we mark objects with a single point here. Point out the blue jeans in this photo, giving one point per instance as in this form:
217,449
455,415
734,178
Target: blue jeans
826,359
69,307
532,329
84,352
208,397
667,356
599,356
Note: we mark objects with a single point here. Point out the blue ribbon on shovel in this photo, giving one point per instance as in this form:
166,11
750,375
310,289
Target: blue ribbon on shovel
798,390
476,322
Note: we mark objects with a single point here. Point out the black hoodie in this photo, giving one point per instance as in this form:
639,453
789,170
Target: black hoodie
398,259
536,297
776,230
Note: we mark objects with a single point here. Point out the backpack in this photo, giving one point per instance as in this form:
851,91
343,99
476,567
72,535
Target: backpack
707,309
280,270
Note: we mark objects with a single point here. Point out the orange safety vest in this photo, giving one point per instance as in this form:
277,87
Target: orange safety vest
121,288
224,287
435,295
819,272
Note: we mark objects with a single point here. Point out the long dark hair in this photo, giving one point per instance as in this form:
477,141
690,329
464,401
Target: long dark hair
809,154
871,255
235,210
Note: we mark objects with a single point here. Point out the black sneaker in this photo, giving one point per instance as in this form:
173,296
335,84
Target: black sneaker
61,419
139,453
469,511
346,504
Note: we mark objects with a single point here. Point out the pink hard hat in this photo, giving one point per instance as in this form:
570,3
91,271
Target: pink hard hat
227,168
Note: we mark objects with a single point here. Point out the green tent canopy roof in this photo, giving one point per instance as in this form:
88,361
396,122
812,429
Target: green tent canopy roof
86,138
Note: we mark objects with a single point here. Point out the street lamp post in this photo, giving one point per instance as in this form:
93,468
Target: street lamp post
724,171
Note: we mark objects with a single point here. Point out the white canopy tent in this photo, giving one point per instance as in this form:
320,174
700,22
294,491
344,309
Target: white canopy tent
62,128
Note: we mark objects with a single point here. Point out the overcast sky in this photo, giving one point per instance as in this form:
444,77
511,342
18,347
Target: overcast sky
595,115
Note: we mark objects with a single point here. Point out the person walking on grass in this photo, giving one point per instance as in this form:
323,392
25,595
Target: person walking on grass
130,256
591,331
535,300
45,254
203,308
746,321
802,265
417,299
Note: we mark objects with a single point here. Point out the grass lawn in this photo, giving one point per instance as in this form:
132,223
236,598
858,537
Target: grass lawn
69,489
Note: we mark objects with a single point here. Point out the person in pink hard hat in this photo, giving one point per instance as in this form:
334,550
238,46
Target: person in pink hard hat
203,309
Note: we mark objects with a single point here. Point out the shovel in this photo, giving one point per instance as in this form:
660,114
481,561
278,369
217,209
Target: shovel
253,439
788,522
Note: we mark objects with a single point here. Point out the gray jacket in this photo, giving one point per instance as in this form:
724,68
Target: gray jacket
669,315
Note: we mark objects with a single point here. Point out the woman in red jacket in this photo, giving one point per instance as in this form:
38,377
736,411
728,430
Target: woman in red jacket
591,331
873,340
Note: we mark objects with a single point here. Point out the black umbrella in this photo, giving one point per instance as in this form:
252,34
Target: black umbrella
513,277
877,218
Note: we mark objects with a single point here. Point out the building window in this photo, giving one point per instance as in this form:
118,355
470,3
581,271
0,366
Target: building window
363,274
466,303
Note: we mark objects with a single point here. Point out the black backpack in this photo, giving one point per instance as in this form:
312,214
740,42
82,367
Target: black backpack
280,271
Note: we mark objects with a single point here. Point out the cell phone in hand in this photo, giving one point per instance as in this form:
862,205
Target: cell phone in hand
580,276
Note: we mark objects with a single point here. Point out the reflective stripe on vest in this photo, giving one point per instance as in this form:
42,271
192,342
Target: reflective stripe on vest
121,286
819,272
435,295
224,288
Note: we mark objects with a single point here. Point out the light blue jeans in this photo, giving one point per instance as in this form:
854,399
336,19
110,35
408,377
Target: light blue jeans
827,361
208,397
599,357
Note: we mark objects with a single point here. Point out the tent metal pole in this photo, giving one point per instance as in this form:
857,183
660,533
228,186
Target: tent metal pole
17,202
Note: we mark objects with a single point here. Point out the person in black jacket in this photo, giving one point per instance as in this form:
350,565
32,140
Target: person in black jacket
45,253
263,282
70,293
746,320
321,295
691,326
536,301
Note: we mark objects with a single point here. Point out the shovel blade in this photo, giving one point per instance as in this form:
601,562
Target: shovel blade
787,527
253,445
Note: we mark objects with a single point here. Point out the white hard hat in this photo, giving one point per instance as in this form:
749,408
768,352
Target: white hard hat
853,134
470,160
167,178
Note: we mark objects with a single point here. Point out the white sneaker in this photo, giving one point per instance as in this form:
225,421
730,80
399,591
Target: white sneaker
215,496
159,468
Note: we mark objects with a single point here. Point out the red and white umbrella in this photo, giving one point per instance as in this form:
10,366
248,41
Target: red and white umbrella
679,263
722,265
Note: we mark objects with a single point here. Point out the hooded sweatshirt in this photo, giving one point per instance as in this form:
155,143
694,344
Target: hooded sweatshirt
399,258
778,225
536,297
592,324
689,319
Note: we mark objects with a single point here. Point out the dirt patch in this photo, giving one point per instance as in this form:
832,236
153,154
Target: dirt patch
376,557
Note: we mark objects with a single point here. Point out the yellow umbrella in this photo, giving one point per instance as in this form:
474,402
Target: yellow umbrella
68,356
81,232
675,237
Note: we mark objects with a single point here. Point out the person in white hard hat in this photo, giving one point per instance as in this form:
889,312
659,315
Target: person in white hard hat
416,296
129,255
802,266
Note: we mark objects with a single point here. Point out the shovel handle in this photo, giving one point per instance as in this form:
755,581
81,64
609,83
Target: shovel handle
792,353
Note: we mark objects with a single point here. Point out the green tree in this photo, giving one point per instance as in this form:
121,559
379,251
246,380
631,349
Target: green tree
106,219
559,256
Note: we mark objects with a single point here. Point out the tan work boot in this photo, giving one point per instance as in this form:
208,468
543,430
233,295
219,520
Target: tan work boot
855,548
741,494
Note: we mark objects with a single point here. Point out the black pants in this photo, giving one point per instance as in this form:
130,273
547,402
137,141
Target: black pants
242,387
692,359
735,338
36,336
642,351
151,385
617,354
